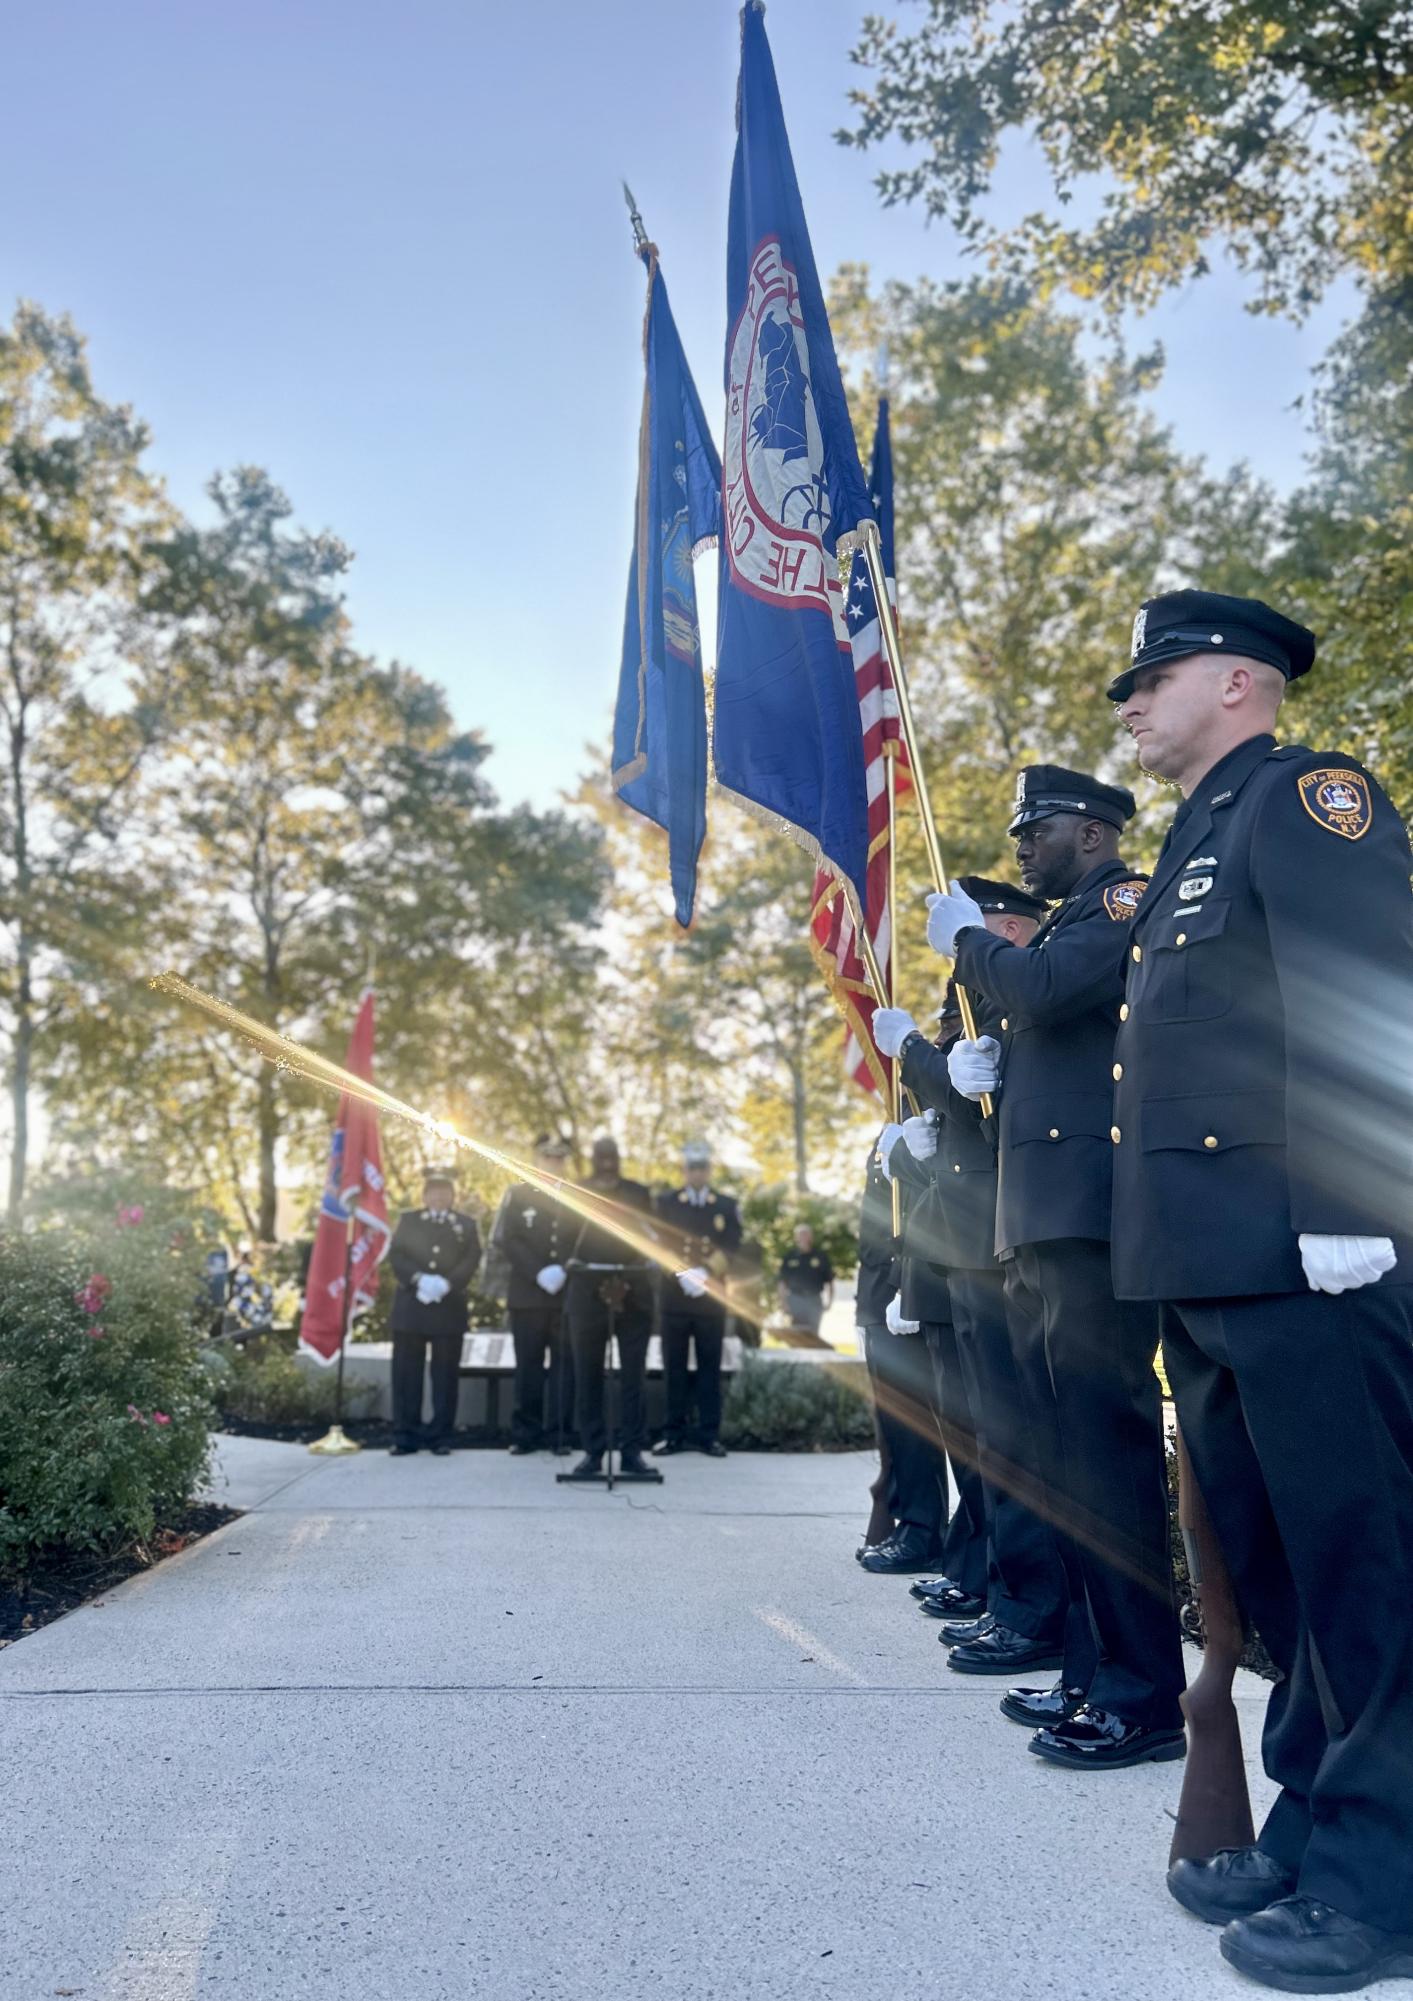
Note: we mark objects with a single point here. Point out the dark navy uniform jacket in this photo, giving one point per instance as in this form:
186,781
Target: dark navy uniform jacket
877,1278
595,1243
958,1213
448,1244
922,1277
1267,1049
1059,998
701,1234
532,1231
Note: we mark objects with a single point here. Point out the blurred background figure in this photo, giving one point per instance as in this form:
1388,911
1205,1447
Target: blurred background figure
702,1227
434,1255
605,1302
806,1284
530,1241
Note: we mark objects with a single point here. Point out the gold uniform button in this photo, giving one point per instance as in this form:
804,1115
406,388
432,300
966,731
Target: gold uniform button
1054,1132
1115,1135
1181,938
1118,1071
1211,1140
1005,1024
1123,1011
956,1167
1137,953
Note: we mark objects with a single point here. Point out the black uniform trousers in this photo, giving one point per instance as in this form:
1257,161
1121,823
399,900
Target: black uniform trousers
900,1366
1297,1410
1087,1360
588,1341
965,1554
683,1330
409,1360
1027,1588
544,1404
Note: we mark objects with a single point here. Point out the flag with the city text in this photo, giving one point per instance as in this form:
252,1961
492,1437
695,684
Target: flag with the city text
344,1265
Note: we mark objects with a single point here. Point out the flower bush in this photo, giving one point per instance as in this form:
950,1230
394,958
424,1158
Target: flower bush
797,1407
260,1382
104,1407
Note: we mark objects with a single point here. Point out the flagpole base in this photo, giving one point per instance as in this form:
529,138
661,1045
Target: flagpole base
335,1443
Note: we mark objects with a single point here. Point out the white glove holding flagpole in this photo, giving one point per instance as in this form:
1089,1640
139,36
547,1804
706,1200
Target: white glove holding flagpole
550,1278
1343,1264
893,1318
694,1282
920,1135
975,1067
891,1028
949,914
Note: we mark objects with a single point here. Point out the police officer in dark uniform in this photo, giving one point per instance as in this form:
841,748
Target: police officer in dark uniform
1099,1431
702,1227
532,1233
628,1297
1263,1191
1027,1597
874,1290
805,1276
434,1254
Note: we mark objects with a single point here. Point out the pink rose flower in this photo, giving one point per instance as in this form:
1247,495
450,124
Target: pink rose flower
129,1217
160,1417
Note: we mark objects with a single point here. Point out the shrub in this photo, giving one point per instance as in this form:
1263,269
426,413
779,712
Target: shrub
798,1407
104,1410
260,1382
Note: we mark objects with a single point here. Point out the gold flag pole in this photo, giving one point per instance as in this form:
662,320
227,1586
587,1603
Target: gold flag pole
895,1067
873,556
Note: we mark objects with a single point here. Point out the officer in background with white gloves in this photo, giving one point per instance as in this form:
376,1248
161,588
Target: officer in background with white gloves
1263,1193
532,1233
702,1226
434,1254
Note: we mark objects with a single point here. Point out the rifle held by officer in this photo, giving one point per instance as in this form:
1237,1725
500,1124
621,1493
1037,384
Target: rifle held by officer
1215,1808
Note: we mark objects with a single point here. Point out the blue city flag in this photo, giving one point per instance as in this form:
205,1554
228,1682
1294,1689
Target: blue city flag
659,722
787,737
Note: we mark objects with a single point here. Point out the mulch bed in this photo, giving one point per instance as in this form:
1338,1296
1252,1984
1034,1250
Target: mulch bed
71,1578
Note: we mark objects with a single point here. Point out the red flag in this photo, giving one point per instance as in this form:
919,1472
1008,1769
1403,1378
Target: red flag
354,1186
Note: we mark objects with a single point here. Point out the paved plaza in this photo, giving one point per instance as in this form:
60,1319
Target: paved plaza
436,1729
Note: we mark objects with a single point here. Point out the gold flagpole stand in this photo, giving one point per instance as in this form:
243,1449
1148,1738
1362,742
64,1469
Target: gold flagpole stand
336,1442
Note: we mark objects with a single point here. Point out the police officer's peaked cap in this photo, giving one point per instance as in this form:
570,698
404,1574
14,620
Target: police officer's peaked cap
696,1153
1182,622
1043,789
553,1143
440,1170
1002,899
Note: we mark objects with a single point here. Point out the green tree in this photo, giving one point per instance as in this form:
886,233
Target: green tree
76,721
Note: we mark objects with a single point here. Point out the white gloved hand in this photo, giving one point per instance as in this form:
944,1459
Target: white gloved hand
920,1135
550,1278
432,1288
974,1067
949,914
893,1318
891,1028
694,1282
1343,1264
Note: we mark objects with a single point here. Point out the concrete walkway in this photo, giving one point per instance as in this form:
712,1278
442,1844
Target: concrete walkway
437,1728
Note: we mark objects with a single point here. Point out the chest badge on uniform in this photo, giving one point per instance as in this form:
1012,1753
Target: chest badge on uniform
1338,800
718,1221
1121,899
1194,885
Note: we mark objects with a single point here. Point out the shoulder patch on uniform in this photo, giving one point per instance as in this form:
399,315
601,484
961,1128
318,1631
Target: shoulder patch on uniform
1121,899
1337,799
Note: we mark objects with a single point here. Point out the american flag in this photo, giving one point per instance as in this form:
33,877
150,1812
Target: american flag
832,935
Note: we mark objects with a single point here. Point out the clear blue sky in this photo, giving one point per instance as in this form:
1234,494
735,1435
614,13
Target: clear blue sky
378,246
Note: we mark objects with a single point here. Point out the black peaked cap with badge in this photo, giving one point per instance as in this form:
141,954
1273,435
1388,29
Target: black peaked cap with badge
1002,899
1045,789
1182,622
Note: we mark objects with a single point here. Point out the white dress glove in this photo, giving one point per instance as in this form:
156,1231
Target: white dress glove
920,1135
893,1318
432,1288
974,1067
949,914
1343,1264
887,1140
891,1028
550,1278
694,1282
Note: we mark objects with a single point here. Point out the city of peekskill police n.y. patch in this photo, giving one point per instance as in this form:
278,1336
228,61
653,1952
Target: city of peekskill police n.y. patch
1338,800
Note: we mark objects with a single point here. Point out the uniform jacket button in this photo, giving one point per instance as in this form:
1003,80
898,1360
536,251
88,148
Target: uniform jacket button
956,1167
1005,1023
1137,951
1181,938
1118,1071
1054,1132
1123,1011
1211,1140
1115,1135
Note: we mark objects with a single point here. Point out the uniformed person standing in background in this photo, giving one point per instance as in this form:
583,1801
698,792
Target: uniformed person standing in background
533,1233
702,1227
1263,1191
597,1298
804,1278
434,1253
1085,1358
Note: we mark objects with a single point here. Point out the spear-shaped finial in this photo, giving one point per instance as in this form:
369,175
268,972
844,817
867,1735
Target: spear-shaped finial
640,235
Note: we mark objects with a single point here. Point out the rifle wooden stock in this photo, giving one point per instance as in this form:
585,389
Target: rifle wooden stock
1215,1809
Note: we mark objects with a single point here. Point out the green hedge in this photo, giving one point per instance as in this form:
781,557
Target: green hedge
260,1382
104,1411
797,1407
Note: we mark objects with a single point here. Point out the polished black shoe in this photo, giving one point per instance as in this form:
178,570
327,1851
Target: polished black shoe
961,1607
1003,1651
441,1450
1233,1883
590,1467
667,1447
930,1587
633,1466
910,1549
959,1632
401,1451
1304,1947
1041,1708
520,1450
867,1548
713,1449
1095,1740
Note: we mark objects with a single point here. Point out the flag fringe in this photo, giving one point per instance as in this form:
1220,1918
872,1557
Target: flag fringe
841,992
802,839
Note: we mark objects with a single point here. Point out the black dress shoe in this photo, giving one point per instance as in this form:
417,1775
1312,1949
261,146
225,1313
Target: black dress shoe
522,1451
1304,1947
713,1449
633,1466
867,1548
961,1607
930,1587
1095,1740
590,1467
666,1447
440,1450
1233,1883
1003,1651
401,1451
1042,1708
910,1549
958,1632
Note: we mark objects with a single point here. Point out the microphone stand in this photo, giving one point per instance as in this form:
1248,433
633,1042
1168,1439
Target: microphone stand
608,1478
